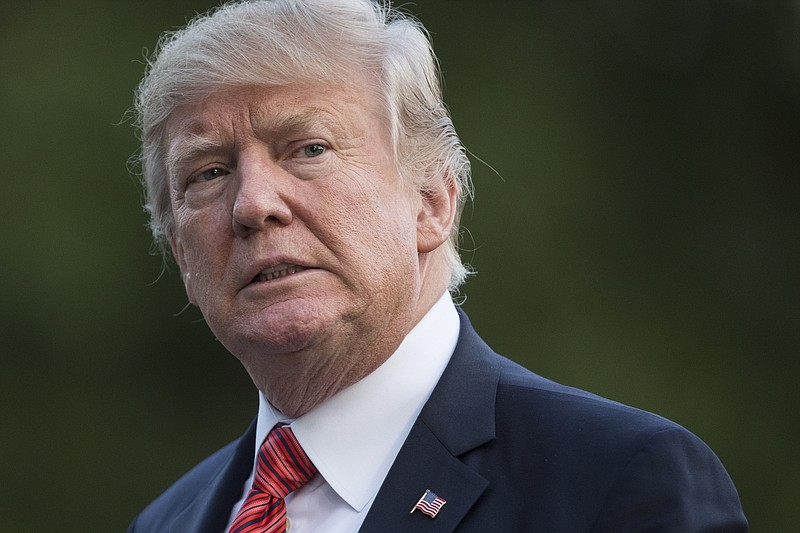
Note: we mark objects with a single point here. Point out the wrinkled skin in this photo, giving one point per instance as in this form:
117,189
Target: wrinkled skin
308,257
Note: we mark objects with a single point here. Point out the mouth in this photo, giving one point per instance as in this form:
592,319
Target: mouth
277,272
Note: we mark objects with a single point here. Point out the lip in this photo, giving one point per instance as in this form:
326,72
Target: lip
277,272
273,269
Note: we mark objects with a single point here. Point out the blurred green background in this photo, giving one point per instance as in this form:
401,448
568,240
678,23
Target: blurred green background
635,230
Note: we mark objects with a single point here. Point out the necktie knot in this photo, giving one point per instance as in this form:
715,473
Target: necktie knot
281,467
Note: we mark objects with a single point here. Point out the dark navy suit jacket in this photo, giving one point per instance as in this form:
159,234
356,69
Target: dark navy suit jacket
510,452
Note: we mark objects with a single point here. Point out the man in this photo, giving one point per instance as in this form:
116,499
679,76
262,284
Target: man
302,168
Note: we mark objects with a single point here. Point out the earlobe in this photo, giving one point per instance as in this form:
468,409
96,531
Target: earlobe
436,215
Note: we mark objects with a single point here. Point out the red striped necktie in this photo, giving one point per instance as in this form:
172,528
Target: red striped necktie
282,467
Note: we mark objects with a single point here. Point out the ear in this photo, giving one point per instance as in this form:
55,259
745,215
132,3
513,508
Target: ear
177,252
436,215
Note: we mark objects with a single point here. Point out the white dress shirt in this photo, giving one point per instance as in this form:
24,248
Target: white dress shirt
354,436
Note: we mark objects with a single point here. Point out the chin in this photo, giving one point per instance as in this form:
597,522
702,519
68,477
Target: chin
276,335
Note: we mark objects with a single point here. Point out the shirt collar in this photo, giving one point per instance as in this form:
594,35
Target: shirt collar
354,436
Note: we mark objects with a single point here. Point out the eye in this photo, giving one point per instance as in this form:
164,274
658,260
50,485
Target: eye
313,150
210,174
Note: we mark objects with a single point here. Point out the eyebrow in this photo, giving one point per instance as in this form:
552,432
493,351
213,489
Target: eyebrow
186,147
293,123
196,140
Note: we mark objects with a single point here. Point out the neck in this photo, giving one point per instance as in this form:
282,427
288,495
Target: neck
297,382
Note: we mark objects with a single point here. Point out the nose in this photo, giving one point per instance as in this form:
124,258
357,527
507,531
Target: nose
261,196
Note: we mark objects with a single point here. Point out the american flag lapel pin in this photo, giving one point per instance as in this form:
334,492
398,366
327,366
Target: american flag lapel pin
430,504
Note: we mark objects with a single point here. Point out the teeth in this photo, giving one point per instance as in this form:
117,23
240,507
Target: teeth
278,272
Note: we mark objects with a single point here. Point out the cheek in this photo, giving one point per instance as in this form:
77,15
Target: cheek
203,228
203,272
203,244
387,234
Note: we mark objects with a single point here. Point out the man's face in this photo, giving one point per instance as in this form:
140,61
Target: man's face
293,229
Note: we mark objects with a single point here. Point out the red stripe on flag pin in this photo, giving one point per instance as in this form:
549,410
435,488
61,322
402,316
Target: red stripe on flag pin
430,503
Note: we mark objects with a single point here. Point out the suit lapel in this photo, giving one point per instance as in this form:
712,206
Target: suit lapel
210,510
458,417
423,463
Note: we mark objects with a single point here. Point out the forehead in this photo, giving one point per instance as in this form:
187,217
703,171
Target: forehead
273,110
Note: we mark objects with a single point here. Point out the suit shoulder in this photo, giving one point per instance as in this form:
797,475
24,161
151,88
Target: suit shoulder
522,393
614,459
